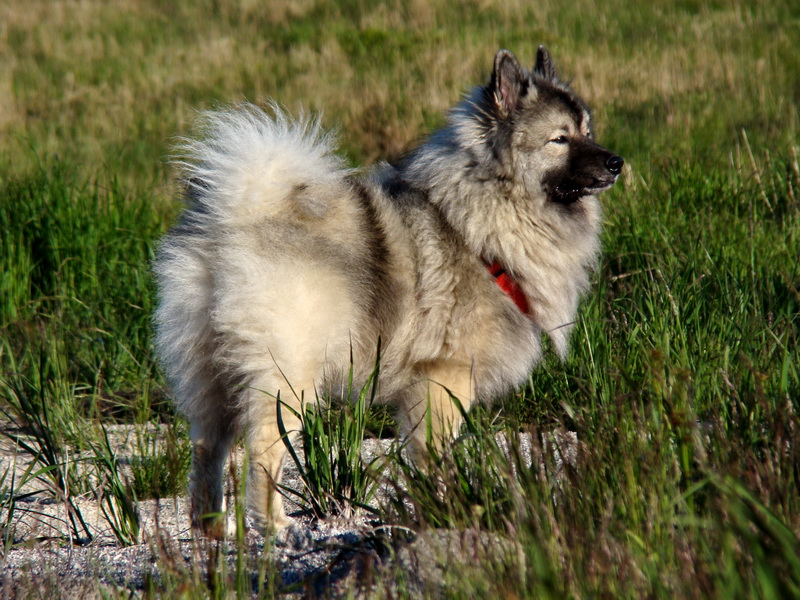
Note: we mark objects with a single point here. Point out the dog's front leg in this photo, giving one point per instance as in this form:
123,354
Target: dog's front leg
432,414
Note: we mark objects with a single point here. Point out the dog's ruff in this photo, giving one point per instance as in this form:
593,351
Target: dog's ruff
286,266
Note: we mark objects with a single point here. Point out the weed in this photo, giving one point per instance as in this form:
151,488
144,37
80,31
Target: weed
334,476
118,500
161,463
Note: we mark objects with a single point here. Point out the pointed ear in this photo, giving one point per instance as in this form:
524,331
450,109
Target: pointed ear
544,65
508,83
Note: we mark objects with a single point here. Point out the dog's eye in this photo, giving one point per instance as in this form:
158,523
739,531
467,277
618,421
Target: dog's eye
562,139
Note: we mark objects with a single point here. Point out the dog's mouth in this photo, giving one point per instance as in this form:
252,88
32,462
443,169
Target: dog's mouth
566,194
600,185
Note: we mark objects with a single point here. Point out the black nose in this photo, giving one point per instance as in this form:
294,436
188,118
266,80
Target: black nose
614,164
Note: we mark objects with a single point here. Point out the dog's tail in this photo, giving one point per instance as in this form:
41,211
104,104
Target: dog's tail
245,163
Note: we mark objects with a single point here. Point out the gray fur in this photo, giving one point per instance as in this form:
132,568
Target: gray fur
285,264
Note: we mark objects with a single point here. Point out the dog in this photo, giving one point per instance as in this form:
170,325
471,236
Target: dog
286,268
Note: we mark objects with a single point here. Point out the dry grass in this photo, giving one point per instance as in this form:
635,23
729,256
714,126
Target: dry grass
109,83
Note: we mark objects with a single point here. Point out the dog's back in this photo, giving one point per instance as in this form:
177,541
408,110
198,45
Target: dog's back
271,265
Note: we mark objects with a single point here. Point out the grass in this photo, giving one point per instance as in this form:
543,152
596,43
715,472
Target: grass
684,377
336,481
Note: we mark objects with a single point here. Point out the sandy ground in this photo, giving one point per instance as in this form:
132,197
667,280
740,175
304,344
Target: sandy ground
308,557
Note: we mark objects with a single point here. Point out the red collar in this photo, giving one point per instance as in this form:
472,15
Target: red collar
508,285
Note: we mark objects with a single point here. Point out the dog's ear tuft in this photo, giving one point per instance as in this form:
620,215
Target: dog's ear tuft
544,65
509,82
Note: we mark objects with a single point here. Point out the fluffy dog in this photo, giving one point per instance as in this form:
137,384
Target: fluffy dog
286,268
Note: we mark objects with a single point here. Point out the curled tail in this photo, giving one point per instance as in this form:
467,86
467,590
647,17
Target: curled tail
244,163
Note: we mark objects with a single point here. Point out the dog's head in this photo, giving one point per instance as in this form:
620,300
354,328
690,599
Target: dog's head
540,132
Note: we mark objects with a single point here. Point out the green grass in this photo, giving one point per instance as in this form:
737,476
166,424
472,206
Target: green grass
336,481
76,292
683,384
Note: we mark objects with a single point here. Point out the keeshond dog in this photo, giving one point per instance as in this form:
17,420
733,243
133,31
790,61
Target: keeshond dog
287,268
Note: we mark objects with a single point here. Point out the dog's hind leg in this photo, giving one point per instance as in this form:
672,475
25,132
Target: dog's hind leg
212,430
267,449
282,324
186,343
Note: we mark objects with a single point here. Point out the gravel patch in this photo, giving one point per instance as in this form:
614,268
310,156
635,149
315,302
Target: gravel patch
313,557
